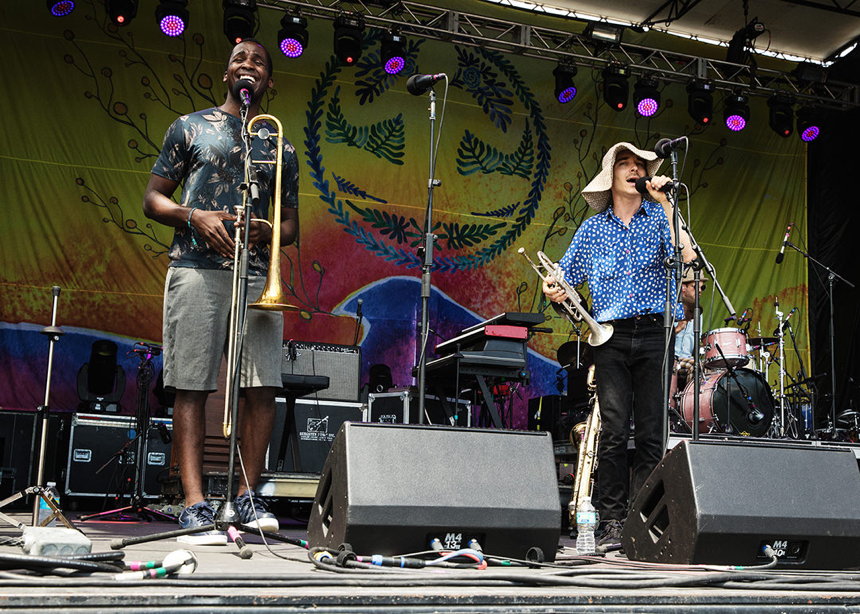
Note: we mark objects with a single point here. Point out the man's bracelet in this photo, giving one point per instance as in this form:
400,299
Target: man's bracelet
188,221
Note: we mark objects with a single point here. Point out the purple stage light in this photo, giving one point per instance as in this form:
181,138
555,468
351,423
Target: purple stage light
172,25
62,8
292,48
735,123
647,107
810,134
394,65
567,94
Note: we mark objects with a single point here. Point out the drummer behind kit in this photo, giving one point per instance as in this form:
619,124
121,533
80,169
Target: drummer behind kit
734,394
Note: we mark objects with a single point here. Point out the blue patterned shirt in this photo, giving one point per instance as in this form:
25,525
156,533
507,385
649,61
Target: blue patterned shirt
203,151
622,264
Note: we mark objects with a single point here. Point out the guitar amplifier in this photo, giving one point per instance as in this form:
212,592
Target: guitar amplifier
341,363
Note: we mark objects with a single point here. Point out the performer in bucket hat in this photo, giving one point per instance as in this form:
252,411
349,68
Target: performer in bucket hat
621,251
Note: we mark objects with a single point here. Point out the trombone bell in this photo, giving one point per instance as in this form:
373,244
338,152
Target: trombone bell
273,297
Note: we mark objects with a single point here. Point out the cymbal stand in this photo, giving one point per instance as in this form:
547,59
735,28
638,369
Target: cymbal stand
831,277
781,337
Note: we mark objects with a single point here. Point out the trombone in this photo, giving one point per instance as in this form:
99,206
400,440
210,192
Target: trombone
273,297
571,307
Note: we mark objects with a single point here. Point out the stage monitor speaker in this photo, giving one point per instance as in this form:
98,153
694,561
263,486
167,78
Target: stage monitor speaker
341,363
723,502
391,489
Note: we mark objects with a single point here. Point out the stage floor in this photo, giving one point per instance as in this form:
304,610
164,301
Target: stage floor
282,578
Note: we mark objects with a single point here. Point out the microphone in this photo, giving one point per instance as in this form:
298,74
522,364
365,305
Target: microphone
643,189
164,433
665,147
781,253
755,415
777,330
743,319
358,309
418,84
242,91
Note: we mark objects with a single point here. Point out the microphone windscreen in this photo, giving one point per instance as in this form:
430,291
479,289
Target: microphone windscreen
779,257
641,187
413,87
242,84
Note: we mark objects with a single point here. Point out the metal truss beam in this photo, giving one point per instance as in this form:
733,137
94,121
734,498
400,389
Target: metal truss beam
457,27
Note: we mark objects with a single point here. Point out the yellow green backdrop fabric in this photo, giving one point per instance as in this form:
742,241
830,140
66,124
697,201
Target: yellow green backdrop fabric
86,106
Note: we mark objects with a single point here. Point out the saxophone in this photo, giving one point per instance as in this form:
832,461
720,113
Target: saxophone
586,436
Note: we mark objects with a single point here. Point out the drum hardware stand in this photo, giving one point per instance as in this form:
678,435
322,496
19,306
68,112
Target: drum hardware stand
831,277
781,337
755,415
136,510
53,332
702,263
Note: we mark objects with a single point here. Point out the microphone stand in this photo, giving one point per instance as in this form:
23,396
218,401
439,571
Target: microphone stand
753,410
673,266
831,276
781,336
426,250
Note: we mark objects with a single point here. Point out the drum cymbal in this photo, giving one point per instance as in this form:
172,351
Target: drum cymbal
759,341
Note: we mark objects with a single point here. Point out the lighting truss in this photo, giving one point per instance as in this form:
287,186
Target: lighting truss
437,23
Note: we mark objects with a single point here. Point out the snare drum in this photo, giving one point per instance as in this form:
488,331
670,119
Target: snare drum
733,344
721,401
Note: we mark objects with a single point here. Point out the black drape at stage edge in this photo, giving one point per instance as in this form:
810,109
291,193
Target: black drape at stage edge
833,221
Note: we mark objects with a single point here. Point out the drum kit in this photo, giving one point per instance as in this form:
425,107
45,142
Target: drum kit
734,394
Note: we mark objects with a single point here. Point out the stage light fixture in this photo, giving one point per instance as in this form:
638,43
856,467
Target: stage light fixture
121,12
646,97
293,35
808,126
393,53
616,88
565,90
172,16
700,101
605,33
348,38
737,112
240,20
781,116
741,43
60,8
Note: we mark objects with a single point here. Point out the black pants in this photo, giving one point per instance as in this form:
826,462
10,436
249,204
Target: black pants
628,369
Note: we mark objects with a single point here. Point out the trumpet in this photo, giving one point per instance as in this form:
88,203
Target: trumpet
273,297
572,306
585,436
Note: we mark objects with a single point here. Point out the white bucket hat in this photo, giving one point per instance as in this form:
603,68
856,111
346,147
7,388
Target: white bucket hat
596,193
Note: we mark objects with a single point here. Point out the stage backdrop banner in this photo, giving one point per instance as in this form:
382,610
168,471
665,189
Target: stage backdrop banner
85,121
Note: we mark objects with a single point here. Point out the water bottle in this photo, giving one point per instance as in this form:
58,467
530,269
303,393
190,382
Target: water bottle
44,509
586,523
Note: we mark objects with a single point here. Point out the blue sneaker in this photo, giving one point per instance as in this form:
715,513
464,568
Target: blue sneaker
198,515
256,515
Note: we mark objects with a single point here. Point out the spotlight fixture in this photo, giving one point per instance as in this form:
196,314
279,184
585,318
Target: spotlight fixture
741,43
393,54
348,38
646,97
781,116
121,12
293,36
737,112
172,16
60,8
603,33
615,86
700,101
565,90
808,126
240,20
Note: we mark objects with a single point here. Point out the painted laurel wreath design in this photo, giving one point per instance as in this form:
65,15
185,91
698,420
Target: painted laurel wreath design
479,74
